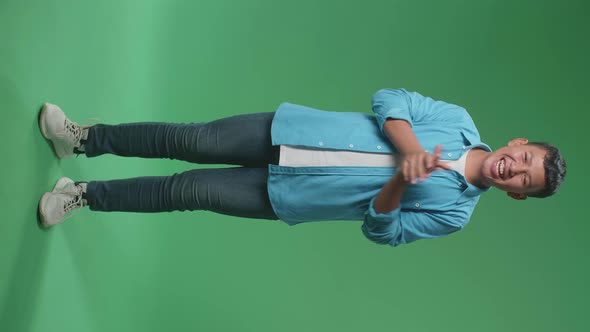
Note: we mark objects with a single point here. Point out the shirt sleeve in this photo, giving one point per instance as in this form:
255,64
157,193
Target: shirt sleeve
412,107
400,227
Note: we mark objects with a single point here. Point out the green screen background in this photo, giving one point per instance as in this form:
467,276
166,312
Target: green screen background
519,67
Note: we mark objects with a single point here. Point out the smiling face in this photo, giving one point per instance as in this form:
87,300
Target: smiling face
517,168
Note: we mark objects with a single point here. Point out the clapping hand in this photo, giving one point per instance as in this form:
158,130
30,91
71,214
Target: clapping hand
416,167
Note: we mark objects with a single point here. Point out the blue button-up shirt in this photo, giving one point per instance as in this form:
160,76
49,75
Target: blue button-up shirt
438,206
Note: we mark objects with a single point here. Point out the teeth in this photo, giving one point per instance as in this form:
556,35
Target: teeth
501,166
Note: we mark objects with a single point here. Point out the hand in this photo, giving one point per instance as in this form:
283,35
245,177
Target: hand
416,167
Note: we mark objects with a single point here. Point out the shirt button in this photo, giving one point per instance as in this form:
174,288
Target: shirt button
321,143
459,184
417,205
378,147
464,147
350,146
449,154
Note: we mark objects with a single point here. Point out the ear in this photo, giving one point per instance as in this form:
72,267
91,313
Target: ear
518,141
520,197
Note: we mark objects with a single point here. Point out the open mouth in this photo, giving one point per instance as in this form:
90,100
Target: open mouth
501,167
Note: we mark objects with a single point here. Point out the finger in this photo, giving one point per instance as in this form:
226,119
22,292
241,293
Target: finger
443,165
430,162
431,169
424,170
425,160
437,150
425,177
437,154
420,168
406,170
412,172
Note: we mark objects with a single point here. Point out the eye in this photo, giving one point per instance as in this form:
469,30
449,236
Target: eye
524,180
526,157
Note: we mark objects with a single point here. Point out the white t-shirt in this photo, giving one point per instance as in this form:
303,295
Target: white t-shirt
301,157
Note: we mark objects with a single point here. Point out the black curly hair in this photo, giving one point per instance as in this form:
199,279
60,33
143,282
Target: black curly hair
555,169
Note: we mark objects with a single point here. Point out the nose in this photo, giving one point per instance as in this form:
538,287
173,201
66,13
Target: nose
517,168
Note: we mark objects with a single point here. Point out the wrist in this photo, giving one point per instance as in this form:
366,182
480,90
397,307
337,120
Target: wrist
414,150
399,178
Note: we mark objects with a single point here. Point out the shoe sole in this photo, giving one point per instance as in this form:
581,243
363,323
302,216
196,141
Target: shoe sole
42,202
40,216
42,117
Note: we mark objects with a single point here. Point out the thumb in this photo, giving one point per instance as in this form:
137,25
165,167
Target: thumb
443,165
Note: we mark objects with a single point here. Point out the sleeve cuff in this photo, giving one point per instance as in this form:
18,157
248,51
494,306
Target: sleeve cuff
383,217
394,113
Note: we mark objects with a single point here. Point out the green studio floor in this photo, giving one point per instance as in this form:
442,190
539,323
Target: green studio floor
519,67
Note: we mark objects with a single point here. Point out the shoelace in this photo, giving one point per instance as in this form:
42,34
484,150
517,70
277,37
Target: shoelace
68,190
74,130
71,204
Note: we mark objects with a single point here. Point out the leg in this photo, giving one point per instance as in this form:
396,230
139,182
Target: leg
239,192
237,140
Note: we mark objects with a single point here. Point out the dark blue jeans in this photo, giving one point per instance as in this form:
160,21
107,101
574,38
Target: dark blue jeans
237,191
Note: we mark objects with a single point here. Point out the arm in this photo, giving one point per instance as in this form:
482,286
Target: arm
416,164
389,197
413,107
402,136
402,227
383,220
395,110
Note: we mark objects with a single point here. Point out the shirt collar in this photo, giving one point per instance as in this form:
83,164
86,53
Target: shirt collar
474,142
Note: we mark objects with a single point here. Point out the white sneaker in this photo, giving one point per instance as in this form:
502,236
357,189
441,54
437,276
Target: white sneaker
67,186
61,204
63,133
